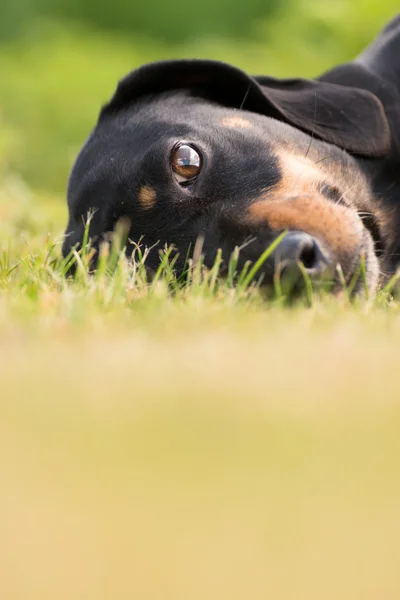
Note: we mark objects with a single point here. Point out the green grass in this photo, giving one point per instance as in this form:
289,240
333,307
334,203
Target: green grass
160,440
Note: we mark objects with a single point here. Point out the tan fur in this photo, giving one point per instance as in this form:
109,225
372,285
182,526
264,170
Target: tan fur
337,226
297,204
147,197
237,122
300,175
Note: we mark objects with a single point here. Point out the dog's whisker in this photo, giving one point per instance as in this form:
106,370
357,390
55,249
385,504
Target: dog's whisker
245,97
317,162
313,127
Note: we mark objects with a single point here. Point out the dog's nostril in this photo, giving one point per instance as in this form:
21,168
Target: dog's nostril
296,247
308,254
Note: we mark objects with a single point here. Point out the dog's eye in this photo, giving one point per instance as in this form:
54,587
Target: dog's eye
186,164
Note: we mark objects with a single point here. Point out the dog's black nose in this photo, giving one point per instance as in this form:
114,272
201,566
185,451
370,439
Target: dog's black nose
298,246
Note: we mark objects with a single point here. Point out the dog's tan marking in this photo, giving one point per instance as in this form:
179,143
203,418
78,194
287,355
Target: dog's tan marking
147,197
300,171
335,224
299,176
296,203
238,122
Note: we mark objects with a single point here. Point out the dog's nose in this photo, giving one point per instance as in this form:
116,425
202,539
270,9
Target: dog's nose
298,246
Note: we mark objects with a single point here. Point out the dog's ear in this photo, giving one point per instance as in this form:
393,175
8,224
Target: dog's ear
350,118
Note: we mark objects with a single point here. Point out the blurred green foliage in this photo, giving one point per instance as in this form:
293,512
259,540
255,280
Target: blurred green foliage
172,21
55,74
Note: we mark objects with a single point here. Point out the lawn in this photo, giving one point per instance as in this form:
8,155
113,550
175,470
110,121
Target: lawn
205,444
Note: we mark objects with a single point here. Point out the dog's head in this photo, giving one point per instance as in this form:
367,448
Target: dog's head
198,149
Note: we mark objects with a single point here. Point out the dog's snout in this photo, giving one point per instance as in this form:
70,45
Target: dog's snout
298,246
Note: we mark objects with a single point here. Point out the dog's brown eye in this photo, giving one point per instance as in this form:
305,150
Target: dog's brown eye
186,164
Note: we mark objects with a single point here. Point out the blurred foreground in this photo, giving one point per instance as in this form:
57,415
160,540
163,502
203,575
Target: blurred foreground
196,457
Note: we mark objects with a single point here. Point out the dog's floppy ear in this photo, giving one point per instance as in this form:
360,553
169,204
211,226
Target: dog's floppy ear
350,118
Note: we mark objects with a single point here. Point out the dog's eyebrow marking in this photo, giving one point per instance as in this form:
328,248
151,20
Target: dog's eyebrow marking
147,197
299,171
239,122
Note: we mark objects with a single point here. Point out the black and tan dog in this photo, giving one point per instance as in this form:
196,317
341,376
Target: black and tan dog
198,148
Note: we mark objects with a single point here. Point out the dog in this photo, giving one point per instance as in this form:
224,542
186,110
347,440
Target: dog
197,149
